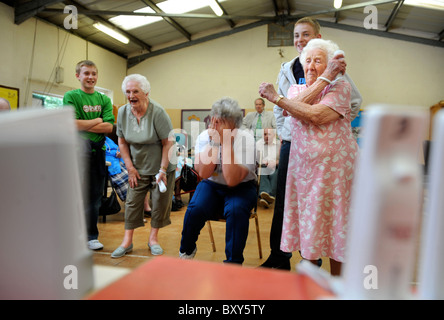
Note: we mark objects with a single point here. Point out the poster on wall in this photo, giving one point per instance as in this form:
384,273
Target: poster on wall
193,122
10,94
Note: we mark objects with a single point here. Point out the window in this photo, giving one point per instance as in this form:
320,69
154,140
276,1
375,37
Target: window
47,100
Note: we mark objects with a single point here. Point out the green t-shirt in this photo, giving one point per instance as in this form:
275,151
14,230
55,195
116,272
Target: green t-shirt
145,138
88,106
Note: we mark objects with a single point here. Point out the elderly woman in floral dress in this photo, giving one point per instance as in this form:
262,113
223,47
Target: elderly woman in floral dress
321,164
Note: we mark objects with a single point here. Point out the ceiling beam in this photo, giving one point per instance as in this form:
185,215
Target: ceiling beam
288,7
276,7
171,21
229,21
162,14
24,11
132,38
337,14
393,15
381,33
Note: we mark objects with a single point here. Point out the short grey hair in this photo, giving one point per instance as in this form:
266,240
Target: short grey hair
142,80
228,109
329,47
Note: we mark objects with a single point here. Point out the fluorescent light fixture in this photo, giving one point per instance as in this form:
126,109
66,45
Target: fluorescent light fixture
169,6
111,32
431,4
337,4
216,8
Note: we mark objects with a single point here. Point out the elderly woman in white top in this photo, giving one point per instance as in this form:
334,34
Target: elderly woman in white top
143,130
321,163
225,159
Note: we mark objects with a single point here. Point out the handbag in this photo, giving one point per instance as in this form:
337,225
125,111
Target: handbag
188,178
110,205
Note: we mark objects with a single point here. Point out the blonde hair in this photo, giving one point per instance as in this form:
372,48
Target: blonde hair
314,23
82,63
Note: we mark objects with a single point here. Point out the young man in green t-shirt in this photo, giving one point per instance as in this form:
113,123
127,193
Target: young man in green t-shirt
94,118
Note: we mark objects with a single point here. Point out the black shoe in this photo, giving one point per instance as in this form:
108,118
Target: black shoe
319,262
274,263
174,206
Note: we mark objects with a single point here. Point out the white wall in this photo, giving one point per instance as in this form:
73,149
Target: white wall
385,70
19,60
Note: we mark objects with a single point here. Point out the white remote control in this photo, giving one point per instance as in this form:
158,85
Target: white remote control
338,52
162,187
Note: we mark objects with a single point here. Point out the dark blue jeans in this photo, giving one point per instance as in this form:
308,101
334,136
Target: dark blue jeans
212,200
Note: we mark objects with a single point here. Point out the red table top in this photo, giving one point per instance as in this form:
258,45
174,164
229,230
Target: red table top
167,278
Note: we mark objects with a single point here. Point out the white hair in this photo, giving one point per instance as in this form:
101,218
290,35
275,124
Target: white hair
329,47
142,80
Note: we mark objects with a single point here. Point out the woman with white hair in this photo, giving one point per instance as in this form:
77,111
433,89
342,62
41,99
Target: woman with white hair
225,160
321,164
143,128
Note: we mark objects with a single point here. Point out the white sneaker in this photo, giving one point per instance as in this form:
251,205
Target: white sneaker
94,245
187,256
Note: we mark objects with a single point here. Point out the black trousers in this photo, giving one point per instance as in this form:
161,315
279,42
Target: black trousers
95,182
278,214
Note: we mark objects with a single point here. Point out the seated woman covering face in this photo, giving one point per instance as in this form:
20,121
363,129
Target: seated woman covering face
322,157
225,160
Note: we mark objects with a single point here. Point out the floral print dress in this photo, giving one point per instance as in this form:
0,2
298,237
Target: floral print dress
319,179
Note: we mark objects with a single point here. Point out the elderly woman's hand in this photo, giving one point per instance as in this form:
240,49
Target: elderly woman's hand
335,66
217,128
213,131
133,175
267,91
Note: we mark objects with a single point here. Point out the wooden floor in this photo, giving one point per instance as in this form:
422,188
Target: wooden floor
111,235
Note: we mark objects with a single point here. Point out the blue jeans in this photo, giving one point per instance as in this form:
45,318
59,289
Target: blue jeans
268,183
212,200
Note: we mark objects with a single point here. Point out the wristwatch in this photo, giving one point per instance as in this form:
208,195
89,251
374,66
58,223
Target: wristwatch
279,99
